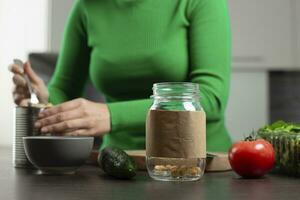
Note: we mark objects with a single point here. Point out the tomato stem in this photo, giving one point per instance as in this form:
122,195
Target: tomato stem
251,137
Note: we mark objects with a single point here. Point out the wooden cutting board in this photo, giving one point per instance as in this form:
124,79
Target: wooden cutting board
215,162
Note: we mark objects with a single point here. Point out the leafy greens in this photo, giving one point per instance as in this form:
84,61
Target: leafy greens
281,126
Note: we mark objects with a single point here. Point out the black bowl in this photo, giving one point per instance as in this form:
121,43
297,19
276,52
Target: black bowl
57,154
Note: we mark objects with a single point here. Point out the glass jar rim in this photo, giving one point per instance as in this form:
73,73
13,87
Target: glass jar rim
186,84
175,90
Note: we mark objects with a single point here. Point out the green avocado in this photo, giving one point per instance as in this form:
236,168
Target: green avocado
117,163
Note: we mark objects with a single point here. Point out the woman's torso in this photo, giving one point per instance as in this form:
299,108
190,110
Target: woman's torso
134,44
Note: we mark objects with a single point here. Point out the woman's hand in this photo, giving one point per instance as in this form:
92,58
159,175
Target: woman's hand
20,92
75,118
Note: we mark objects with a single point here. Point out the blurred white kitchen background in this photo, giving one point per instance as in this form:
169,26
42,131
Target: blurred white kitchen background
265,61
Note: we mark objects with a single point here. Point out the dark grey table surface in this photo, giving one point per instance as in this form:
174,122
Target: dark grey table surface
91,183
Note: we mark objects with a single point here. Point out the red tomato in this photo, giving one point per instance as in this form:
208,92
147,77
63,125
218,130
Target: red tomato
252,159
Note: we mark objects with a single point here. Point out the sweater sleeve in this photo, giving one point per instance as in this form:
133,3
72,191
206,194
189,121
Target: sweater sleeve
129,115
209,51
210,54
72,67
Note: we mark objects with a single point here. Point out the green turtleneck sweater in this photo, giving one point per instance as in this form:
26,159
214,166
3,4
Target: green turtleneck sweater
124,46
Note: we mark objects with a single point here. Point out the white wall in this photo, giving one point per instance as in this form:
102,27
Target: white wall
247,109
58,14
263,33
23,28
296,6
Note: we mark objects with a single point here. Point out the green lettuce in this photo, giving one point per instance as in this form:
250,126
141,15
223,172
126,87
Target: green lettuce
281,126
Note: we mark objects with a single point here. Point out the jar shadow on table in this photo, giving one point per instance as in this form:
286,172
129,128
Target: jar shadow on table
249,178
140,177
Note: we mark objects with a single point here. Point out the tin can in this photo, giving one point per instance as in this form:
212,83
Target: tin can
24,119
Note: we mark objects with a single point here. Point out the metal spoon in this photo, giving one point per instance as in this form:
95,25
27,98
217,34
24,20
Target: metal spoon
33,97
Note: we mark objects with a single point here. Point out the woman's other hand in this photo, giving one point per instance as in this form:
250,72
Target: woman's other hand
20,92
78,117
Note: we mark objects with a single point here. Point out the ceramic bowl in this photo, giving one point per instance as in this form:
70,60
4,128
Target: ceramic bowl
57,154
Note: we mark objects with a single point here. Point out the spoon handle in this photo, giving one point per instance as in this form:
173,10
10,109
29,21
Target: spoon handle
21,65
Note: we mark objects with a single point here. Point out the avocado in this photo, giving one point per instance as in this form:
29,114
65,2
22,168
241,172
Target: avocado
117,163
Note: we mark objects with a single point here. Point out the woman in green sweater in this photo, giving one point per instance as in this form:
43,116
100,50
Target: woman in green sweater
125,46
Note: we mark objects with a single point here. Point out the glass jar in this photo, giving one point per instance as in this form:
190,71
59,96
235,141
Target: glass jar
175,133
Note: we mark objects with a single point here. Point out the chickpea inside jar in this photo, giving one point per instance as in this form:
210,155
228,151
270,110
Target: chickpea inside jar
176,133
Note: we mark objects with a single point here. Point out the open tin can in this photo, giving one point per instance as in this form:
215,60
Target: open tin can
24,119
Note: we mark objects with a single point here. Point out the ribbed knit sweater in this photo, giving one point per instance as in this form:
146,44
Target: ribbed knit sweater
124,46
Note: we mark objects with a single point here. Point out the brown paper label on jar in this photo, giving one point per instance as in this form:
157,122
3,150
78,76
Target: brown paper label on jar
176,134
